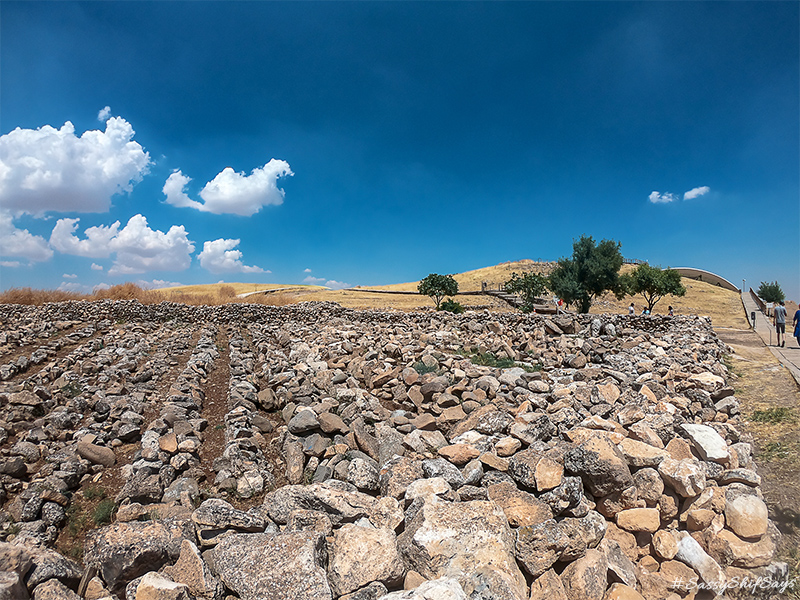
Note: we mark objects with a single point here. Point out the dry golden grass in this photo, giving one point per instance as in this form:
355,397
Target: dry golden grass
369,300
470,281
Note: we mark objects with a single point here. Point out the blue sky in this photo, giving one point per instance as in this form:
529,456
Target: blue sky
367,143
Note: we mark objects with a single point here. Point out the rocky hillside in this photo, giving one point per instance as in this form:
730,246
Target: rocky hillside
313,452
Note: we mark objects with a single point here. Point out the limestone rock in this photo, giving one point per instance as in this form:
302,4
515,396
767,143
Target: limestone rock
461,540
280,566
600,464
585,578
361,555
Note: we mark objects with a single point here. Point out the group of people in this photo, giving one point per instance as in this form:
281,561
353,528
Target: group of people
646,311
779,319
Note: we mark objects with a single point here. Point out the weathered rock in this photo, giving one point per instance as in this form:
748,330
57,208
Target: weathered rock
191,570
692,554
745,513
540,546
154,586
708,443
444,588
53,589
214,517
462,540
600,464
360,555
280,566
639,519
686,476
124,551
585,578
521,508
98,455
548,587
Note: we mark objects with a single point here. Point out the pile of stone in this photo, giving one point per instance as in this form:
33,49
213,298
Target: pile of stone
371,455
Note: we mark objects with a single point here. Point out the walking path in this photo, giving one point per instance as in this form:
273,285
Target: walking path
789,356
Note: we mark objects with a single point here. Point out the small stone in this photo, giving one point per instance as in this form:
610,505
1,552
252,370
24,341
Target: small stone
639,519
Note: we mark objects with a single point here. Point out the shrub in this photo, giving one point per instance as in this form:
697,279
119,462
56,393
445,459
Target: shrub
653,283
104,512
451,306
528,286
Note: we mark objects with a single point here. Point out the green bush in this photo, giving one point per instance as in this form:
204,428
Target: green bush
528,286
452,306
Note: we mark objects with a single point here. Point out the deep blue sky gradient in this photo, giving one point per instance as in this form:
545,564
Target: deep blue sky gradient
433,136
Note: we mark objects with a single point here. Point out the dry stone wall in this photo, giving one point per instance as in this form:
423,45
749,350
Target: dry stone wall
363,455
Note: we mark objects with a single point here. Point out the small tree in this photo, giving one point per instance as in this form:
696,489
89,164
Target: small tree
653,283
529,286
771,292
437,287
592,270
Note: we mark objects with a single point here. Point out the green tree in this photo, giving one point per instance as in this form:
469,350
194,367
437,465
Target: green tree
592,270
528,286
653,283
437,287
771,292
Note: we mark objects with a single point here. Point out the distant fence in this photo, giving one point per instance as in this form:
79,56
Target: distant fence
761,305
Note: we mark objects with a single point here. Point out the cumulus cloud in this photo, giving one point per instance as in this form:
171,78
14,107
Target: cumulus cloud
21,242
69,276
220,256
103,115
11,264
658,198
96,245
336,285
306,270
696,192
231,192
96,267
174,191
139,248
101,286
314,280
49,169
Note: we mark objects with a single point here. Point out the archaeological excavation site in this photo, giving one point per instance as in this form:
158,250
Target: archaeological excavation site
314,452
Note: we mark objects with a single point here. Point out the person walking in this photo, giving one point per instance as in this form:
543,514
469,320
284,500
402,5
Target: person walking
631,309
796,323
779,319
671,312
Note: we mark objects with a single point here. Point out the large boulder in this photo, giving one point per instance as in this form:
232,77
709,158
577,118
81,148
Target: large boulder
279,566
600,464
468,541
361,555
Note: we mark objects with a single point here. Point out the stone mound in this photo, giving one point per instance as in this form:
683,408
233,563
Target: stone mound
366,455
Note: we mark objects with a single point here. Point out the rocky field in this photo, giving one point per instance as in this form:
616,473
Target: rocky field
178,452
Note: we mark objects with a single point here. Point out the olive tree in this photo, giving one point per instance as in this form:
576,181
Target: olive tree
592,271
437,287
653,283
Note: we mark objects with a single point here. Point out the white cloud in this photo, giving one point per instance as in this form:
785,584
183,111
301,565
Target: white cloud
306,270
141,249
696,192
103,115
69,276
336,285
100,286
96,267
74,286
173,189
219,256
97,242
314,280
231,192
21,242
11,264
49,169
157,284
657,198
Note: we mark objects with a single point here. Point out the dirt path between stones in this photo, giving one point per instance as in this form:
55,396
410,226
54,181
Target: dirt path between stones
770,404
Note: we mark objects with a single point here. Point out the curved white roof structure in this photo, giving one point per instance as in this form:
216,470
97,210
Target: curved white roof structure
706,276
